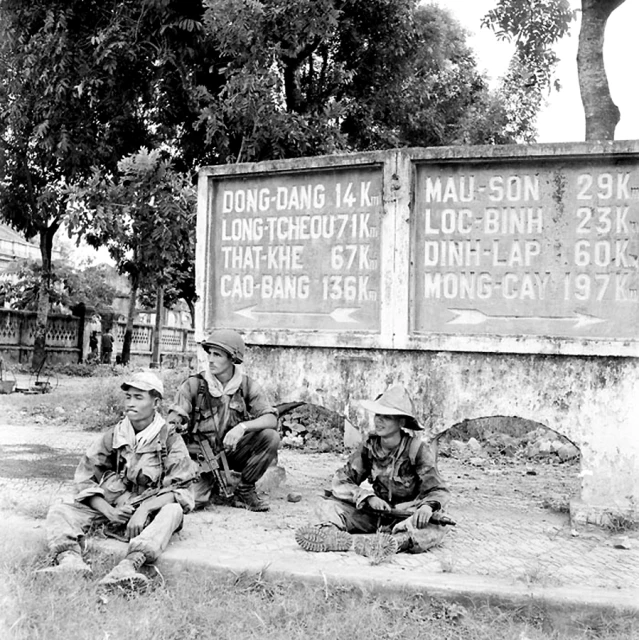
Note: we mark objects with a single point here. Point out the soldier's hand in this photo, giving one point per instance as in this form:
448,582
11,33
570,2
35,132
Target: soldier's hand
378,504
177,421
422,516
137,522
234,436
121,515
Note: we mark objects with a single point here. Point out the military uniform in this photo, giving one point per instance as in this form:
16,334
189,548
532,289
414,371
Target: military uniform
394,477
214,416
401,470
113,470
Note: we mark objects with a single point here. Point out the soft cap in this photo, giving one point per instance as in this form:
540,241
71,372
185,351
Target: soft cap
144,381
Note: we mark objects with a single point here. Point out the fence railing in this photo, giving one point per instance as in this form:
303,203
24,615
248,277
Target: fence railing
67,338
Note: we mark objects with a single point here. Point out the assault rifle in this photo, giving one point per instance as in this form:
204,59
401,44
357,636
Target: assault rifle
216,464
437,517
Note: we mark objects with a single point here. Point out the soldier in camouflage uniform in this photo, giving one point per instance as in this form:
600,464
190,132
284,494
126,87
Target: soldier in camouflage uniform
141,461
232,411
402,474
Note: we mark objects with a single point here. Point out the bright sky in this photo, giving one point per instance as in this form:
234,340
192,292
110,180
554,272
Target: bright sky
563,120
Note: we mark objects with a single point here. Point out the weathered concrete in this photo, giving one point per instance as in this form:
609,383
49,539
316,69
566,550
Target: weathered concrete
431,268
591,401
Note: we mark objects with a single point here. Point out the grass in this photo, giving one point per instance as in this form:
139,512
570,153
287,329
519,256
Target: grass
193,604
94,402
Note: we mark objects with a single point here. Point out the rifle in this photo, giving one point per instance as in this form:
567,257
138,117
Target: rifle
157,491
118,532
437,517
215,463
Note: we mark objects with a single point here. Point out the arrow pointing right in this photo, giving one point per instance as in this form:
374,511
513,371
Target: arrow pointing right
474,317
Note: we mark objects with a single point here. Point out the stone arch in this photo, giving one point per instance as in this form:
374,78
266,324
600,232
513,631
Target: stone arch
502,453
505,434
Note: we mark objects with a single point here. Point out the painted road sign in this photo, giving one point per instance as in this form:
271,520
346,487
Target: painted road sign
295,250
543,247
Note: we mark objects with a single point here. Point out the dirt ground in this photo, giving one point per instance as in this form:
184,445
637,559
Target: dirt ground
40,443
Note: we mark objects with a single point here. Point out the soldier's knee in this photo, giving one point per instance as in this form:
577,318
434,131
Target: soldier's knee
273,439
269,440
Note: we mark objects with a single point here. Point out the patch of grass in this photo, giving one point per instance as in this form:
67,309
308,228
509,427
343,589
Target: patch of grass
193,604
615,522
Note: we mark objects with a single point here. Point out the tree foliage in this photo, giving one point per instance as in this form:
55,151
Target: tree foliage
70,286
145,215
306,77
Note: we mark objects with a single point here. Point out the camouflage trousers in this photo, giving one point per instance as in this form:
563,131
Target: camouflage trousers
68,523
348,517
252,456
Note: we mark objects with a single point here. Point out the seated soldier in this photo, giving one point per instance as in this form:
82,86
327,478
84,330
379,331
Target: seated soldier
402,471
135,476
230,411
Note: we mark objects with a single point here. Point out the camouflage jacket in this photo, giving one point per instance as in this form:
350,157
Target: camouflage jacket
119,473
202,411
396,477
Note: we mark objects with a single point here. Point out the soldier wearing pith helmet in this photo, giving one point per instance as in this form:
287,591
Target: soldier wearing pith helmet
232,412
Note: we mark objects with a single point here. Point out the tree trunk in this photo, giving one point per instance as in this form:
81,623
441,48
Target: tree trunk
191,306
602,114
42,315
128,332
157,334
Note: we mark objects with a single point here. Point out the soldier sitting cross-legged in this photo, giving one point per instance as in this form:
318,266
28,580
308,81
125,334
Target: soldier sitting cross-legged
402,503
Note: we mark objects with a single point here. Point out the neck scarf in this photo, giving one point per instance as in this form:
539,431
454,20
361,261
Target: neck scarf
216,388
124,434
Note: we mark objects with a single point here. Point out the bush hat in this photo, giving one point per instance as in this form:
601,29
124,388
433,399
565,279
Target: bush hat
395,401
144,381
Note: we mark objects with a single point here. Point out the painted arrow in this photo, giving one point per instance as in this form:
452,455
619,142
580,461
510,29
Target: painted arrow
473,316
341,314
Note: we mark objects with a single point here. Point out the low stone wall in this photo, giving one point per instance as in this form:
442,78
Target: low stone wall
65,345
591,401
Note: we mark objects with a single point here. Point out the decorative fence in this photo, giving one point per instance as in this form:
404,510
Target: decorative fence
67,339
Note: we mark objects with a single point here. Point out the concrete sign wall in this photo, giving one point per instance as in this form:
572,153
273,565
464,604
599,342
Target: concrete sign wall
488,280
502,249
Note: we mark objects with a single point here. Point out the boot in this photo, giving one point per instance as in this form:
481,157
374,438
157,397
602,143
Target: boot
323,537
125,575
245,497
67,562
378,547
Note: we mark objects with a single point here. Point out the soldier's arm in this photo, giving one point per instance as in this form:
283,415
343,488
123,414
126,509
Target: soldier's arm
432,488
179,412
347,480
180,470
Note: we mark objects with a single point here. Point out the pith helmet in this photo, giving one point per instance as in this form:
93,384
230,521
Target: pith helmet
395,401
227,340
144,381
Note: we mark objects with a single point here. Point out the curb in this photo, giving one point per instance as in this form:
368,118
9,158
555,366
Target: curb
563,607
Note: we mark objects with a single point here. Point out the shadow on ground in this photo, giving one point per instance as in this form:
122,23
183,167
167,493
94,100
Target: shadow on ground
28,461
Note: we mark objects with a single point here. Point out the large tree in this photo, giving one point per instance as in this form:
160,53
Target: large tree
145,215
535,26
83,83
67,105
306,77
